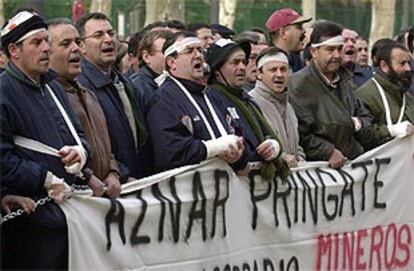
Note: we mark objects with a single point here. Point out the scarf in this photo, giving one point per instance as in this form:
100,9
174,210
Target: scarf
280,115
270,169
142,135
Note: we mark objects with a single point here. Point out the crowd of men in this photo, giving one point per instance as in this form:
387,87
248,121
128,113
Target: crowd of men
80,106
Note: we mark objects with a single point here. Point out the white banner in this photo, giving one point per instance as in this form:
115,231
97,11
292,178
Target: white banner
206,218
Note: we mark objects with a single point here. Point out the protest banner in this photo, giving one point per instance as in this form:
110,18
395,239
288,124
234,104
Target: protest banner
204,217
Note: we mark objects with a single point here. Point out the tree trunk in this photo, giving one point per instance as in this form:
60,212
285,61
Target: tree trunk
160,10
382,21
309,10
136,16
228,12
38,5
1,12
405,15
215,11
104,6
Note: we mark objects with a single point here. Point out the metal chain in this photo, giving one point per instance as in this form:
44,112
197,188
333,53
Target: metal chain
40,202
20,212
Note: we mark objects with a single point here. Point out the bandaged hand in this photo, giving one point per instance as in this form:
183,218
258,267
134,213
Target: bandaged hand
291,160
228,146
401,129
74,158
57,188
268,149
233,152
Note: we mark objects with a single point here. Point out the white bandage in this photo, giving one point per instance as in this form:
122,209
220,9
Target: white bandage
76,167
399,129
30,33
18,19
280,57
275,146
357,123
335,41
53,182
52,179
180,45
217,146
224,42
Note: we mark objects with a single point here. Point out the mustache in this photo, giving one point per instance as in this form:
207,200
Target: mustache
403,79
336,59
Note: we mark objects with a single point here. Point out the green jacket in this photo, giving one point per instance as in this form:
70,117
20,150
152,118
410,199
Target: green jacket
368,93
324,114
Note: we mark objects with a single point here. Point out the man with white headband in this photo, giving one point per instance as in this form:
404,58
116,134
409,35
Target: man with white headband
42,146
228,60
330,117
270,94
187,125
386,95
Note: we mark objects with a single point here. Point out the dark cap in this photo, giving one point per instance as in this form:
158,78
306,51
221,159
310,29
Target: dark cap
20,25
219,50
283,17
224,31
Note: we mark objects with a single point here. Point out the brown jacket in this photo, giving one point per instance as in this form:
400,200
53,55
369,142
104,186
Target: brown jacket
92,118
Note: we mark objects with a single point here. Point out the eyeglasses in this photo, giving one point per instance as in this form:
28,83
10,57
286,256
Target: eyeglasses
99,35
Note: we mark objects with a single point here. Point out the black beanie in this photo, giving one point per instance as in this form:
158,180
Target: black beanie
22,23
219,50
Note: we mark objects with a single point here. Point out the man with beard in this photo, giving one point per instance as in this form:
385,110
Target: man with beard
65,59
385,96
349,58
329,115
286,33
42,147
115,93
187,125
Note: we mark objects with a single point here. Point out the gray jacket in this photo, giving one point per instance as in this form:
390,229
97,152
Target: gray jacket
281,117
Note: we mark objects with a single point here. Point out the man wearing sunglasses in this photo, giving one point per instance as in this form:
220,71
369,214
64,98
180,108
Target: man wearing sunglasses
115,93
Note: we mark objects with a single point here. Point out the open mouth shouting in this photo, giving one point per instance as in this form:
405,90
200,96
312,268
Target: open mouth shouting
108,51
75,60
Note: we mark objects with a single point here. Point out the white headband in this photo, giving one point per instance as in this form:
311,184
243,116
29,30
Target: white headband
14,22
28,34
179,46
338,40
281,57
